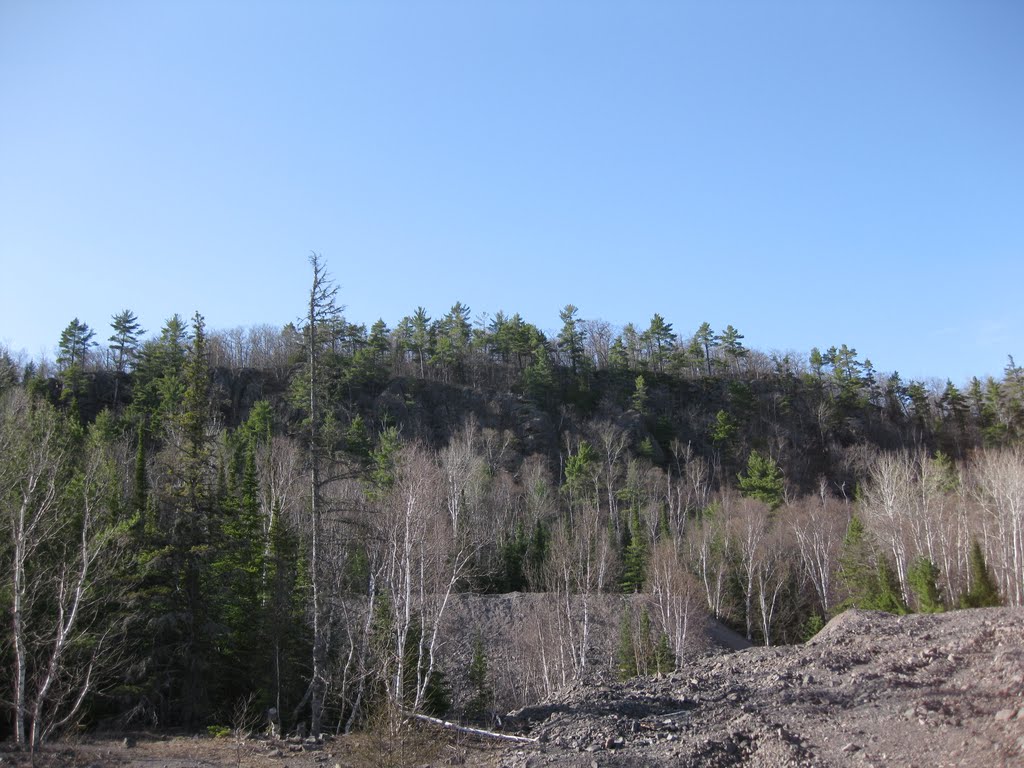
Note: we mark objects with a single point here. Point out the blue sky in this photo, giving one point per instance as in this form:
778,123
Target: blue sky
811,173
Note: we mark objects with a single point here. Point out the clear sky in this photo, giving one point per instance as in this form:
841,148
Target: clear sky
814,173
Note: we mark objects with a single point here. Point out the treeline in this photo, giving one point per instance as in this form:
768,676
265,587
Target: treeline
280,518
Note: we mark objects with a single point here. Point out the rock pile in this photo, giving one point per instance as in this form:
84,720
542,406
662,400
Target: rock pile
870,689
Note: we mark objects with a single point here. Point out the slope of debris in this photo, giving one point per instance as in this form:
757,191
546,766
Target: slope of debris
870,689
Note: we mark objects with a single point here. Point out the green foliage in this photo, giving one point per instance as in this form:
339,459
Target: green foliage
357,438
663,658
382,463
158,386
570,340
814,624
539,379
857,570
705,339
658,338
638,653
723,430
639,400
634,556
580,468
763,480
887,594
983,592
923,578
870,581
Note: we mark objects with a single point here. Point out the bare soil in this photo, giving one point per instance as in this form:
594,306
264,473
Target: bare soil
870,690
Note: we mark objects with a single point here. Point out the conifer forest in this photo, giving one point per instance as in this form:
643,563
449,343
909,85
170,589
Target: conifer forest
194,520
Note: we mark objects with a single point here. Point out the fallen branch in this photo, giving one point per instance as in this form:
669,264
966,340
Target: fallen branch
473,731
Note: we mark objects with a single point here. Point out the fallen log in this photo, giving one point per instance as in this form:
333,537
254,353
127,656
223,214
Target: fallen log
472,731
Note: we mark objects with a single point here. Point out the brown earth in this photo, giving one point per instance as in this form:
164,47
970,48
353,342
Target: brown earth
870,690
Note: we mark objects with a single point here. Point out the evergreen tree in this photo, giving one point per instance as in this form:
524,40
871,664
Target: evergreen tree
570,340
888,595
639,400
75,342
707,339
663,660
538,379
73,349
323,313
857,569
723,431
763,480
983,592
452,341
158,385
660,338
634,555
124,345
730,340
422,339
923,578
191,530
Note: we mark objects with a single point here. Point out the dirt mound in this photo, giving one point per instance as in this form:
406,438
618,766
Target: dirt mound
870,689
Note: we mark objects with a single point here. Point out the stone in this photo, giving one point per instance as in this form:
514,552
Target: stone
1005,714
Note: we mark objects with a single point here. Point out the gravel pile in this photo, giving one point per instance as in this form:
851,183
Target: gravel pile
870,689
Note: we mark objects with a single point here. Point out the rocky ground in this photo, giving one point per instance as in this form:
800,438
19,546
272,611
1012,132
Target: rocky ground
870,690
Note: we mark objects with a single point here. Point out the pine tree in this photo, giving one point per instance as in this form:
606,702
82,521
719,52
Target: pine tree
857,569
124,346
634,556
192,526
707,339
659,337
732,345
763,480
570,339
888,595
923,577
639,400
75,342
983,592
663,660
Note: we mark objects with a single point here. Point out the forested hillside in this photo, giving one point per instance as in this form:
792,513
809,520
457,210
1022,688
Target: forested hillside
200,521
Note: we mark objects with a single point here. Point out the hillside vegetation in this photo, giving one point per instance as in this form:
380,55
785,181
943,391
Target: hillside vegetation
200,523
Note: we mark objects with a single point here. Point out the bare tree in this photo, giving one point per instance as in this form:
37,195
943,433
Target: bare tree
749,529
819,527
677,599
423,558
579,567
64,543
710,553
998,481
772,567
